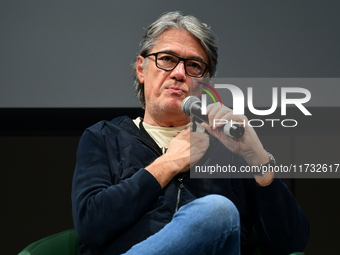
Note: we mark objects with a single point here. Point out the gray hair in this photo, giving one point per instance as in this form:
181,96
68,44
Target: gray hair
175,20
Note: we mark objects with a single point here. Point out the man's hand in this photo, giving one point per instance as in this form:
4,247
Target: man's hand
183,149
248,146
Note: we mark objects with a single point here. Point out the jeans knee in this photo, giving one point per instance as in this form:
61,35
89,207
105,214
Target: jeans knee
217,212
222,209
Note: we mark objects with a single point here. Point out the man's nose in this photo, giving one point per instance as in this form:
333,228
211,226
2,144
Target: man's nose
179,71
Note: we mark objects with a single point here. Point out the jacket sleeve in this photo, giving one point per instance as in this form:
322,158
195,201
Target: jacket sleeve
279,221
101,209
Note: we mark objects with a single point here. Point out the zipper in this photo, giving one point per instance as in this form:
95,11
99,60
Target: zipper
179,191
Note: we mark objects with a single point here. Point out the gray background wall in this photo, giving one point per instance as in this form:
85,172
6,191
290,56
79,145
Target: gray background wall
65,65
78,53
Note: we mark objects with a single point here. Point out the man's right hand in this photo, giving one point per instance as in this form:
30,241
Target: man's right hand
183,149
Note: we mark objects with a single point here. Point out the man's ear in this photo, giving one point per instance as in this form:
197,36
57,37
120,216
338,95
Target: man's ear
139,68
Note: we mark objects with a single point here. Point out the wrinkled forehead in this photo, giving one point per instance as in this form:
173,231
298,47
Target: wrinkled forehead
182,43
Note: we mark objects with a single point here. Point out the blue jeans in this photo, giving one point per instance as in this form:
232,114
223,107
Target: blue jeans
207,225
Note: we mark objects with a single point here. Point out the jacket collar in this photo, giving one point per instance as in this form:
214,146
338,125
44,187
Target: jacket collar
128,125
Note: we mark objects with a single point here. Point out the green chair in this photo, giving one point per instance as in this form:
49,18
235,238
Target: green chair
257,252
66,243
63,243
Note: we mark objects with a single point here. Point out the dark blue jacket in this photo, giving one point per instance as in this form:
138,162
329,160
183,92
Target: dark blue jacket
116,203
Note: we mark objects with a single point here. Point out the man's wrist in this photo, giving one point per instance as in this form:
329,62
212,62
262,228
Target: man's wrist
272,161
265,178
256,158
163,169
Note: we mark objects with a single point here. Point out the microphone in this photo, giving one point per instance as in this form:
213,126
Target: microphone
191,105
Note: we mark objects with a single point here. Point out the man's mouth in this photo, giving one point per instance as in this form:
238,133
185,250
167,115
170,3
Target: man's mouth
176,90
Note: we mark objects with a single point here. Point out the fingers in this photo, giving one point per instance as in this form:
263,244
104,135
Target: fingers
184,133
187,147
219,115
199,143
197,138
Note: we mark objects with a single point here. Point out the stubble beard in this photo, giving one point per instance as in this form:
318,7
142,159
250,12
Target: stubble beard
167,113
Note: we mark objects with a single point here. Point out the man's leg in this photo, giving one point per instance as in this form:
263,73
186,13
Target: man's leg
207,225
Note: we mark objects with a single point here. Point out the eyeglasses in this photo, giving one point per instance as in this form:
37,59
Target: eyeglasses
168,62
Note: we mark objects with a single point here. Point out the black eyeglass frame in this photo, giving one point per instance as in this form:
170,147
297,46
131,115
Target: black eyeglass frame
179,60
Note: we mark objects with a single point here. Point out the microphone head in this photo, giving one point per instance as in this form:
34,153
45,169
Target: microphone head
188,103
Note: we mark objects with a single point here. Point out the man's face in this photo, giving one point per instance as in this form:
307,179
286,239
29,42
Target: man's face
165,90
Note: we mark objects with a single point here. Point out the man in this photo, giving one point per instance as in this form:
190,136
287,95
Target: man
132,191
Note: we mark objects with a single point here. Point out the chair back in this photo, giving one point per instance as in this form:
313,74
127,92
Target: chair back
63,243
